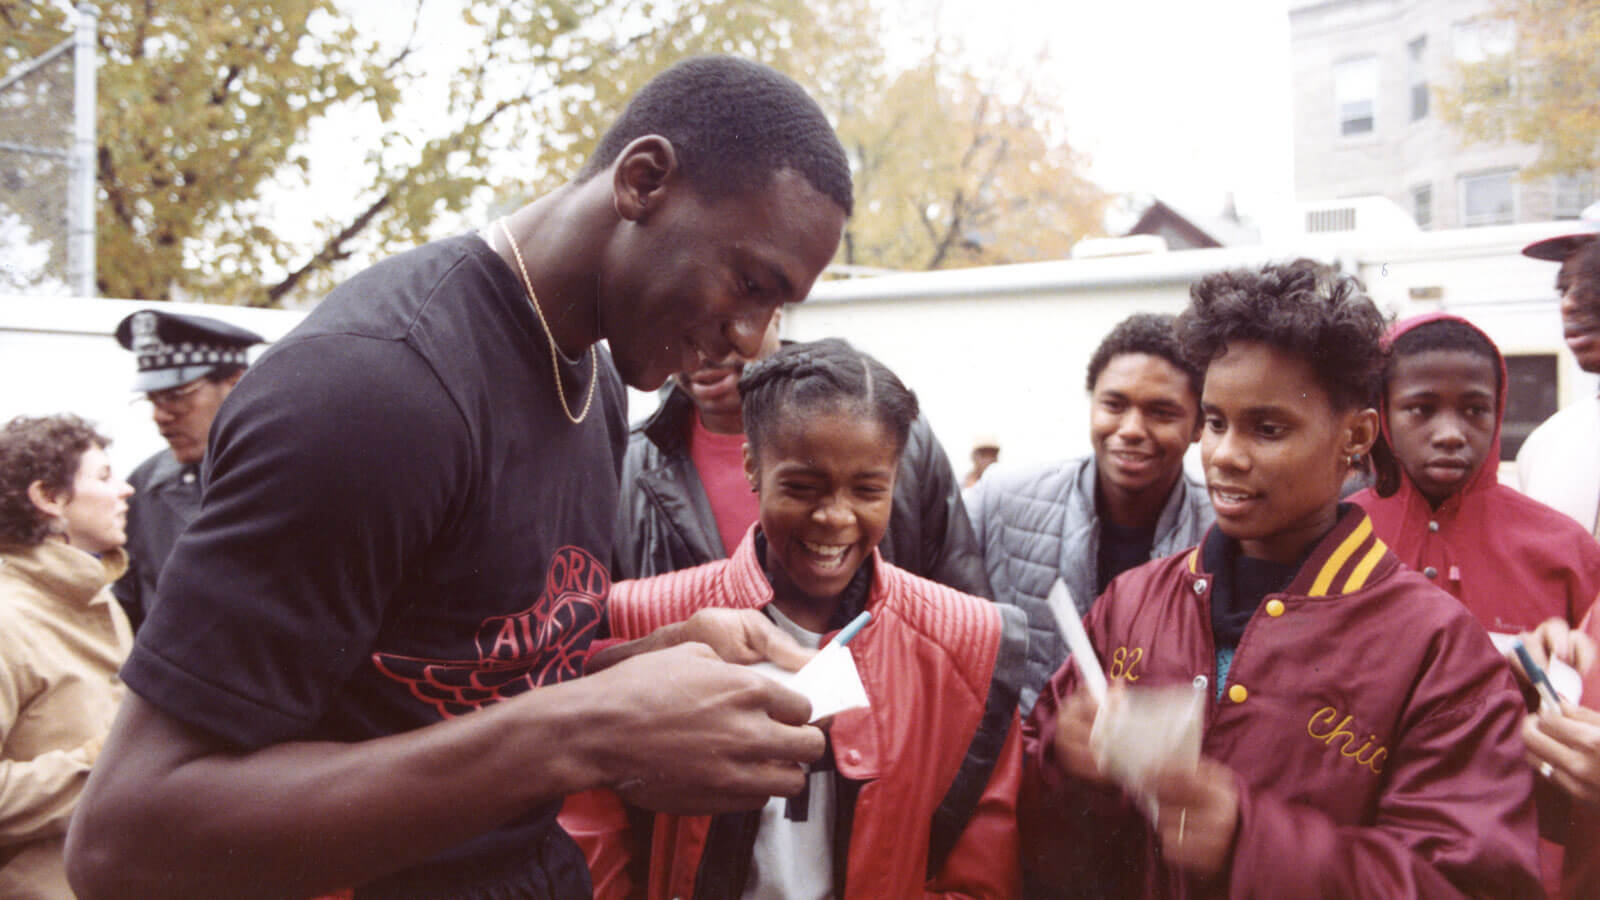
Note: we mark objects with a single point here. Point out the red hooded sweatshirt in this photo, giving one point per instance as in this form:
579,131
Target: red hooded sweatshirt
1513,561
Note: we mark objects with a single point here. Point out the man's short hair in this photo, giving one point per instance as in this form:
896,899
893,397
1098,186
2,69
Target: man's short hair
1152,334
733,124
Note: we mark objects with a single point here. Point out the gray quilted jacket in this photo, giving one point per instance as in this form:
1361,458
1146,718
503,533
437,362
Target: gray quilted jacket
1037,525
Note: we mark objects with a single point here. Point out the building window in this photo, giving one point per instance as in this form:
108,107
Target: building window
1422,205
1417,77
1355,92
1485,41
1489,198
1530,399
1572,194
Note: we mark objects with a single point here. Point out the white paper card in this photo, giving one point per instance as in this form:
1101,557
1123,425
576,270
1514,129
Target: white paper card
1502,642
1564,678
1140,731
830,681
1071,627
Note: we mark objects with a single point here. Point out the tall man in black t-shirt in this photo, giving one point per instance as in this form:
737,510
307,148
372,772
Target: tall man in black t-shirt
364,671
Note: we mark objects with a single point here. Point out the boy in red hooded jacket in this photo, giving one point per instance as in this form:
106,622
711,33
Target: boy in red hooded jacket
1511,560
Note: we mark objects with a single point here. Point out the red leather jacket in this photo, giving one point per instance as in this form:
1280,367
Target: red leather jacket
1371,727
927,660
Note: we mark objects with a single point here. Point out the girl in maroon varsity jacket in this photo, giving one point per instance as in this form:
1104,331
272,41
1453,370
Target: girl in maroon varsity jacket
919,788
1360,732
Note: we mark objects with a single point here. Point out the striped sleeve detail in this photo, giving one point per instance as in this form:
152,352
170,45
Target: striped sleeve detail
967,628
640,606
1363,569
1351,564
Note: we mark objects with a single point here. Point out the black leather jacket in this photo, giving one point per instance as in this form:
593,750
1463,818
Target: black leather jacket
664,521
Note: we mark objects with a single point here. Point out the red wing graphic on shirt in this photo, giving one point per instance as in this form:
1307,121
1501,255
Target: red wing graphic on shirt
544,644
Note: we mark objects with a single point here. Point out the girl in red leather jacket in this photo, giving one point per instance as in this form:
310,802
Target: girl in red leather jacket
916,796
1360,732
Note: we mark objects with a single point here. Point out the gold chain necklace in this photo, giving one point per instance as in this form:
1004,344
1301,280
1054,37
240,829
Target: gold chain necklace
555,354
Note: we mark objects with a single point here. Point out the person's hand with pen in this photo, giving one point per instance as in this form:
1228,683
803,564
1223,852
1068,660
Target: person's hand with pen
1562,737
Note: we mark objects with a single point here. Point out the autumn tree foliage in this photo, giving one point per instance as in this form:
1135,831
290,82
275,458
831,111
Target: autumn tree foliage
953,170
1545,91
205,108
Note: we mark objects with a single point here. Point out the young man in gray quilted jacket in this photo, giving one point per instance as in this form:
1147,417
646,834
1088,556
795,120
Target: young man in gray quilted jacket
1087,520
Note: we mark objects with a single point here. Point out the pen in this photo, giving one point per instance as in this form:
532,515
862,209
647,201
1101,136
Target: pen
1541,681
848,633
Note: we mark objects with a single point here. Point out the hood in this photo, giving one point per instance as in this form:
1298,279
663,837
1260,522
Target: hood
1489,470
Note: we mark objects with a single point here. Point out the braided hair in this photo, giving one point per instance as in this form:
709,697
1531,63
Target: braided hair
733,124
823,375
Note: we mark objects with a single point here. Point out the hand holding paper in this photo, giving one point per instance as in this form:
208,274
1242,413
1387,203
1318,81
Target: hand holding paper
1083,655
830,680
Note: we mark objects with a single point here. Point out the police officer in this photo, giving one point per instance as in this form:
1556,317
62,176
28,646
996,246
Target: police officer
186,365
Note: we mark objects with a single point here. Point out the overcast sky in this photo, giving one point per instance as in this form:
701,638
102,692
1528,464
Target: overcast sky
1187,100
1182,99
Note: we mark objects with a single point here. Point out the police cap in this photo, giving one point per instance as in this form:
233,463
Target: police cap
175,349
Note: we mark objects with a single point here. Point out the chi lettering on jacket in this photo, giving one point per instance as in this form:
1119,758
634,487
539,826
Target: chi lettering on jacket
1127,663
1327,727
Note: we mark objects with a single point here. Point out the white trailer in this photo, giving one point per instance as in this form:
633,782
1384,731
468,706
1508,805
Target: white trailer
994,351
1001,351
58,354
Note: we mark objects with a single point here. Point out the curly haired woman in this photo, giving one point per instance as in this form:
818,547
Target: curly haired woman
62,636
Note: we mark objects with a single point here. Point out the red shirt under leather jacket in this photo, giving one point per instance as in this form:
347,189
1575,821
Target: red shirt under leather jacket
1371,726
930,661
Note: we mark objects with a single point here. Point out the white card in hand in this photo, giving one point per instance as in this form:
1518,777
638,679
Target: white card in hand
830,681
1140,731
1564,678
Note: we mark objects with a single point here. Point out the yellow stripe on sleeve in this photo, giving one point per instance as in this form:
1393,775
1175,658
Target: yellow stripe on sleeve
1336,562
1358,578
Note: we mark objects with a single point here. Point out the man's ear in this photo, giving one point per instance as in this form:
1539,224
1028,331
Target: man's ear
47,503
642,170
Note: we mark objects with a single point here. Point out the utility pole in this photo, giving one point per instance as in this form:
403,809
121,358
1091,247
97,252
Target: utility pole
80,246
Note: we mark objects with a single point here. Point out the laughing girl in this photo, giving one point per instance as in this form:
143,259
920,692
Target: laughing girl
916,795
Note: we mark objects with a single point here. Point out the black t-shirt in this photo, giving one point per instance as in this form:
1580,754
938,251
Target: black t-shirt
1120,550
399,525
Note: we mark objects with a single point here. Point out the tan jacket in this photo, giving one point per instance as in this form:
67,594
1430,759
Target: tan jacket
62,638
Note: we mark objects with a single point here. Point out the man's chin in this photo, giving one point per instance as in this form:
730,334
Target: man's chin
644,379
